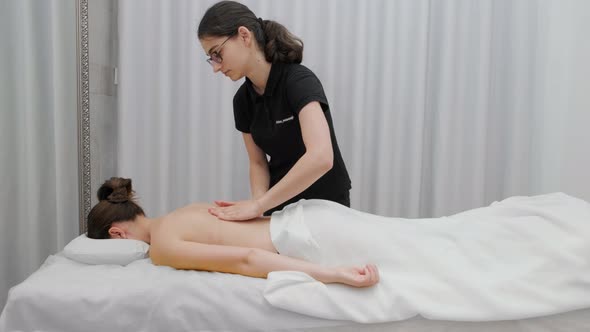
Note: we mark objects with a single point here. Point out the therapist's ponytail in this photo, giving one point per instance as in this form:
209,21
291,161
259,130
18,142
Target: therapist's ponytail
278,44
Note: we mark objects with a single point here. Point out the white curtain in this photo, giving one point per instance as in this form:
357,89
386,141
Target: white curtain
438,106
38,135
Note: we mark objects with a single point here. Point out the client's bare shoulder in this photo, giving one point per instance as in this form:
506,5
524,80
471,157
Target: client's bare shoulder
190,223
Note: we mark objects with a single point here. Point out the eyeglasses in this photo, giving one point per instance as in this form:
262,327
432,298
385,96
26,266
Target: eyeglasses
215,56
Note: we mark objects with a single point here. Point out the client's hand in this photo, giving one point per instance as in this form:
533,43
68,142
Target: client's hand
242,210
364,276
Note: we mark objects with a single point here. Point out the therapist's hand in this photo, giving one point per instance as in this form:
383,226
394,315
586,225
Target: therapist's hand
242,210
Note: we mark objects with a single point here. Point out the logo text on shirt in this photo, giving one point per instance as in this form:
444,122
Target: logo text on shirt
285,119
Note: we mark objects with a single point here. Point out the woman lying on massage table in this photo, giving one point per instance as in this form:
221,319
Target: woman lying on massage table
518,258
191,238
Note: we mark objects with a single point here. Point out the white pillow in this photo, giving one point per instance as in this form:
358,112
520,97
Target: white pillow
107,251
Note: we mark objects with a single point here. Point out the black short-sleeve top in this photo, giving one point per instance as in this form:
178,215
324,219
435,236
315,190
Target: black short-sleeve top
272,120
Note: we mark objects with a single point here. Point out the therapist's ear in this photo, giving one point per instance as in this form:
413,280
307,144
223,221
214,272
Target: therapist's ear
117,233
245,35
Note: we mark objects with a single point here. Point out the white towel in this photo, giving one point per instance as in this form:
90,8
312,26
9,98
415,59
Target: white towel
518,258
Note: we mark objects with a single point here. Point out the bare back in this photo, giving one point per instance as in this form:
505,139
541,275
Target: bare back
194,223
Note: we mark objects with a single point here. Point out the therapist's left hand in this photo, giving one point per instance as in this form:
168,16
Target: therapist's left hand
242,210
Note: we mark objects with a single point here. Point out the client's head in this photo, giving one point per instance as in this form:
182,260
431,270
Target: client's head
115,213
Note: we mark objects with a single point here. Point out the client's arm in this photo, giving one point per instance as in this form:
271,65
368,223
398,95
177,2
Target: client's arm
254,263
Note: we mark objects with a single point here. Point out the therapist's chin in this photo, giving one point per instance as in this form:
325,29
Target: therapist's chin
233,76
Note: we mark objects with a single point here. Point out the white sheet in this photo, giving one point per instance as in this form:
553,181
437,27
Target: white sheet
519,258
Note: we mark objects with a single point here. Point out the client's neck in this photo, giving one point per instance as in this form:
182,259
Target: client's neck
144,229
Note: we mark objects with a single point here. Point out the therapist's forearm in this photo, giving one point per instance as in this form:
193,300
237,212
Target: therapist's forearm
259,179
307,170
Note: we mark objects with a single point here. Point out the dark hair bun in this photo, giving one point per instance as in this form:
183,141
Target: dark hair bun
115,190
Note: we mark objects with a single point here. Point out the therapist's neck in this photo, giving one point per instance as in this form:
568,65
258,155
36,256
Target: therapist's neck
260,70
